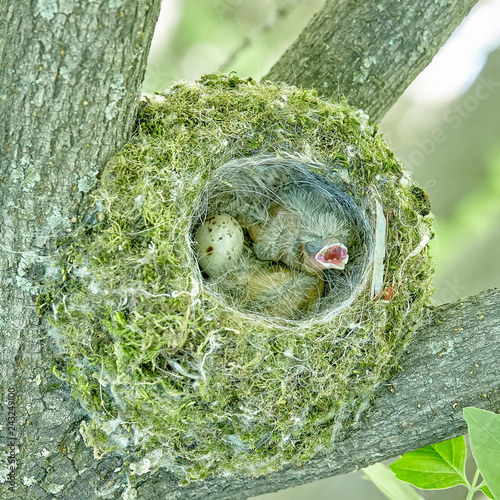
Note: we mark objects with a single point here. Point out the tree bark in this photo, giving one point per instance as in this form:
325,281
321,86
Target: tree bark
369,52
70,79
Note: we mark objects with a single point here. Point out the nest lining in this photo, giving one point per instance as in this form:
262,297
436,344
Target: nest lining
169,371
315,207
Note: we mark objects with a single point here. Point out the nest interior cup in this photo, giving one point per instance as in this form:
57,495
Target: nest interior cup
209,368
293,217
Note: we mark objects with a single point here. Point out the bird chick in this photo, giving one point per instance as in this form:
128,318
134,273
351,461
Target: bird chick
304,231
293,215
283,292
270,288
255,285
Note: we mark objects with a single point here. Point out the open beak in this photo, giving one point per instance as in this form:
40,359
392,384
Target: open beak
333,255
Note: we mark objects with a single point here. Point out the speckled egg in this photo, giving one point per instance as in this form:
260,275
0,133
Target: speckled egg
218,243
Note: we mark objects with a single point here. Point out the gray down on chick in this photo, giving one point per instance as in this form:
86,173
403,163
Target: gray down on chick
307,236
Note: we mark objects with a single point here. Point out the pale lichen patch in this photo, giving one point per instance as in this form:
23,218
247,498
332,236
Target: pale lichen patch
47,8
87,182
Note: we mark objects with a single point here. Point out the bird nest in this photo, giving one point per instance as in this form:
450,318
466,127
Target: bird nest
246,363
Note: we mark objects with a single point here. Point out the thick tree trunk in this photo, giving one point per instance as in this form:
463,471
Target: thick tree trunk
70,82
368,51
70,77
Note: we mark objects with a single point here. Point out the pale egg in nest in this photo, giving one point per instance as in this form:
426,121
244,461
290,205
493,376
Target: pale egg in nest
218,242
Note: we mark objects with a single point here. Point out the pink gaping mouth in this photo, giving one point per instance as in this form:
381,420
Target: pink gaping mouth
332,256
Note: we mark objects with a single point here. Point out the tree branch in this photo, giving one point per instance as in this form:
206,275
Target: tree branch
453,363
368,52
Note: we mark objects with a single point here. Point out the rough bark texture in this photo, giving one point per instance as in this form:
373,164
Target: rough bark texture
368,51
69,79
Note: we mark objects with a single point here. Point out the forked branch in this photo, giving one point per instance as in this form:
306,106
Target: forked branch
368,51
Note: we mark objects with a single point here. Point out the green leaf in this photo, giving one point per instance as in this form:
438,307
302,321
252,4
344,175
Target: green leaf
434,467
383,478
484,436
487,492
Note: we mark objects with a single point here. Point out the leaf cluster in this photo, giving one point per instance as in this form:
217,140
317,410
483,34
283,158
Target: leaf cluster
442,465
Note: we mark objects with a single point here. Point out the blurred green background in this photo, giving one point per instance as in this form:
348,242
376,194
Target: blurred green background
445,129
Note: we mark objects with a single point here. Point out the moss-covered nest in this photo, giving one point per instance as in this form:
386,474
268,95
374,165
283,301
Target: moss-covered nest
169,369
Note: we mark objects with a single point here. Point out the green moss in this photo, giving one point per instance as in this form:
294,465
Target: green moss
159,361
